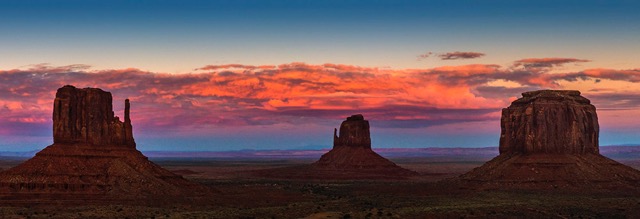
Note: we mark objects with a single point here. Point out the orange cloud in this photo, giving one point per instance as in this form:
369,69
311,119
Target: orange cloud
240,95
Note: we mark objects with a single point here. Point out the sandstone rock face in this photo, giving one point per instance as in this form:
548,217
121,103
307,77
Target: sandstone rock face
93,159
550,121
549,140
85,116
350,158
354,132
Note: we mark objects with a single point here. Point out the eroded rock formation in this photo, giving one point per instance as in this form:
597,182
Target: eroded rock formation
549,139
553,122
93,158
354,132
350,158
85,116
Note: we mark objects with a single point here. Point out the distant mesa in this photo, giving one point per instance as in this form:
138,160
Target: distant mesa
549,139
350,158
352,149
93,158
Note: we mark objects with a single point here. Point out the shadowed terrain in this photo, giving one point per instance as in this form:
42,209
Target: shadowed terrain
242,195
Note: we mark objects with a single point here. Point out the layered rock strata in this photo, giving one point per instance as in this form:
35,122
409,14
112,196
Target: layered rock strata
85,116
549,139
551,122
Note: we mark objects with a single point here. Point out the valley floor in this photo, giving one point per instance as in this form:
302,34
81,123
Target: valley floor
241,195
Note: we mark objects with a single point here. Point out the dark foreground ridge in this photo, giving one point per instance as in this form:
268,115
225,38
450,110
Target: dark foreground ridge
350,158
549,139
93,158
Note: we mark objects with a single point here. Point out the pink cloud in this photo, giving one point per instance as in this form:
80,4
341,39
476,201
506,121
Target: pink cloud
632,75
245,95
48,68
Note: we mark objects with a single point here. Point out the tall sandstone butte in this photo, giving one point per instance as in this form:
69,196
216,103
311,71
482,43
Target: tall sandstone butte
85,116
352,154
549,139
93,159
350,158
354,132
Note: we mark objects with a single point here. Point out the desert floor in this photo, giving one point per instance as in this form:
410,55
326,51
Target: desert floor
241,195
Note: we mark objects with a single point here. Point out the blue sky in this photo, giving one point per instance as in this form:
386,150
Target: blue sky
178,36
119,45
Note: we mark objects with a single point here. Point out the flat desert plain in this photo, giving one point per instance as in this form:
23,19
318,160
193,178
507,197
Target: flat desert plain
242,194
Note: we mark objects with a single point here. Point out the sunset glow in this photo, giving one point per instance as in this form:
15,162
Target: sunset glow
308,98
227,75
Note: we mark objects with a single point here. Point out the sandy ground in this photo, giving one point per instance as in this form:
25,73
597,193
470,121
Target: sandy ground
241,195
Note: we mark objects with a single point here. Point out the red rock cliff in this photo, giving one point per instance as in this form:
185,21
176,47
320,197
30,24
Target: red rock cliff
86,116
354,132
550,121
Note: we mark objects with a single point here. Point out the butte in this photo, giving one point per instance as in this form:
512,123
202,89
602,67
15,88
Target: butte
549,140
350,158
93,158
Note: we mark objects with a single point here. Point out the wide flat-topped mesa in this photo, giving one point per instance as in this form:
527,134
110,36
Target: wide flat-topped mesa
549,139
550,121
85,116
93,159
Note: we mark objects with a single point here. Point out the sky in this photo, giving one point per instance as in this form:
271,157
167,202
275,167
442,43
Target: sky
243,74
